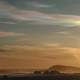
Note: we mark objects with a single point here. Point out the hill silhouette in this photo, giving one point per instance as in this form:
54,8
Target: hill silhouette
65,69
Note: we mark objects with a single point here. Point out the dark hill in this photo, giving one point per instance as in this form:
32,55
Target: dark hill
65,69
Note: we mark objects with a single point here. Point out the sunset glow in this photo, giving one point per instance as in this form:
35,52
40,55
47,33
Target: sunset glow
36,34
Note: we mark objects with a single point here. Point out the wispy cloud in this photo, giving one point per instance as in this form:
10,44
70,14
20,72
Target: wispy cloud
37,16
43,18
36,4
63,32
6,34
7,22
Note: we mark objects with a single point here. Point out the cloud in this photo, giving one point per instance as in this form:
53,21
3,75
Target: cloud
7,22
42,18
30,15
51,45
7,34
6,7
64,33
3,50
64,7
36,16
38,5
47,49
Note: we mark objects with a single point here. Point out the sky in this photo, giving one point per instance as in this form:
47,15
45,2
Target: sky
36,34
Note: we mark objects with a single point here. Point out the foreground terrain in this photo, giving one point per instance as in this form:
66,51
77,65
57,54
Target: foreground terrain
42,77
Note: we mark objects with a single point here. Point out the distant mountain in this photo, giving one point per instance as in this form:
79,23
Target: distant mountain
65,69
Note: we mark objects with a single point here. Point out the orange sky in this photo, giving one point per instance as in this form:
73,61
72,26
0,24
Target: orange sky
22,57
39,33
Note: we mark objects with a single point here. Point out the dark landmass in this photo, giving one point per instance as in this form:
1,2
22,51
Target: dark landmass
59,68
65,69
42,77
50,74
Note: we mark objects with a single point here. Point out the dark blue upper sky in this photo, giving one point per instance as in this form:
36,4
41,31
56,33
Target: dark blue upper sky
51,6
